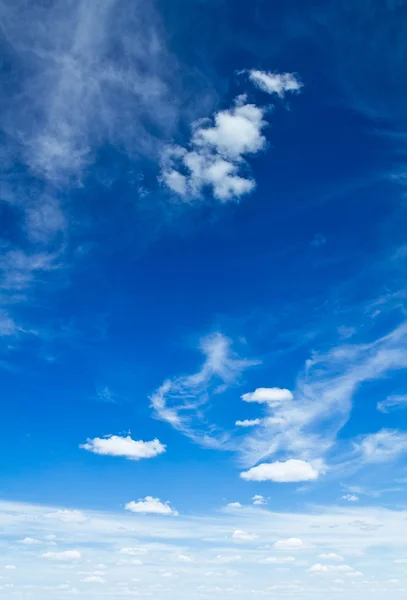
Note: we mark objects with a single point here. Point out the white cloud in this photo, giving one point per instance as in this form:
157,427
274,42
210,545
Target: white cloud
383,446
132,551
184,558
318,568
248,422
67,516
350,498
289,544
124,446
150,505
277,560
94,579
308,426
65,555
10,567
227,558
234,505
181,401
30,541
215,157
272,396
331,556
275,83
284,472
259,499
392,403
243,536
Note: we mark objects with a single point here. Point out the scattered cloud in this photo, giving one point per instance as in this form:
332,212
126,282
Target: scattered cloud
289,544
383,446
243,536
181,401
248,423
395,402
126,447
65,555
259,499
277,560
318,568
150,505
215,157
284,472
133,551
94,579
350,498
234,505
30,541
275,83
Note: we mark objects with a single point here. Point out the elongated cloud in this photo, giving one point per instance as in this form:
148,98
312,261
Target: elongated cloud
65,555
271,396
275,83
282,472
124,446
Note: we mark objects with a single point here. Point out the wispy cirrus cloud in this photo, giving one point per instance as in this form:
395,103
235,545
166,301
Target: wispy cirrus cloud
181,401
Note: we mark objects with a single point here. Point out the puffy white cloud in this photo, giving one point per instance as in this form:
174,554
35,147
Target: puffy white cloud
65,555
243,536
10,567
259,499
30,541
393,402
126,447
150,505
272,396
248,422
275,83
289,544
350,498
283,472
215,157
234,505
331,556
385,445
94,579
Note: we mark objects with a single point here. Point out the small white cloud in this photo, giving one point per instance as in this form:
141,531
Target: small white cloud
124,446
272,396
275,83
243,536
10,567
289,544
227,559
65,555
248,423
331,556
150,505
132,551
350,498
184,558
318,568
283,472
30,541
276,560
94,579
234,505
259,499
67,516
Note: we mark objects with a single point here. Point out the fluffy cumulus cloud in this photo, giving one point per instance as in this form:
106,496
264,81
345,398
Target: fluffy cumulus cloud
126,447
272,396
215,157
66,555
259,499
248,422
150,505
319,568
284,472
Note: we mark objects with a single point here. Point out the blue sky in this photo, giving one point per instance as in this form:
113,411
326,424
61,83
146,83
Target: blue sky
203,334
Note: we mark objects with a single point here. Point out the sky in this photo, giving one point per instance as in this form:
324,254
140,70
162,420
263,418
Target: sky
203,322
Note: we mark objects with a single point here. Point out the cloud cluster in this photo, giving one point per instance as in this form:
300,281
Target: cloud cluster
126,447
214,159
